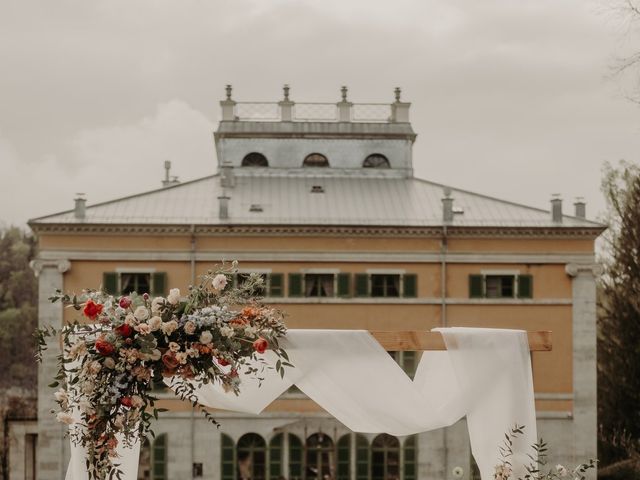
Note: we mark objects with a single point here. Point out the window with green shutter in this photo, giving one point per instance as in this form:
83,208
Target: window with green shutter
476,286
110,283
159,284
295,284
275,457
410,458
410,285
228,462
525,286
159,458
344,284
362,457
344,457
295,458
362,285
276,285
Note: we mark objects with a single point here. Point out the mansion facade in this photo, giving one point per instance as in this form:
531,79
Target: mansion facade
321,200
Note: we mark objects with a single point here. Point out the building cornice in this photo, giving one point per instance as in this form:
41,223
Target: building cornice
315,230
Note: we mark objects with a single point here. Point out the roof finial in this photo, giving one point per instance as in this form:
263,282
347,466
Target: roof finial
397,92
286,92
229,88
344,90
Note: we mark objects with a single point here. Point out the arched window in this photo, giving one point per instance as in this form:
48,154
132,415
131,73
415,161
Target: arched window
255,159
251,457
315,160
321,463
346,460
344,457
362,457
228,461
159,458
276,447
410,459
385,458
376,160
144,465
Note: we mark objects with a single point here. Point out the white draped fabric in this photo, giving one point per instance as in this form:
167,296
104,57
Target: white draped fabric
485,375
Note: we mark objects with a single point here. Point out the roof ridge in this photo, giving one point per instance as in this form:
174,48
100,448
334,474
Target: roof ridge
127,197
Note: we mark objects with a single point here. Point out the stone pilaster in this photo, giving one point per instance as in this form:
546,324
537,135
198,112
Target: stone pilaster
52,453
585,431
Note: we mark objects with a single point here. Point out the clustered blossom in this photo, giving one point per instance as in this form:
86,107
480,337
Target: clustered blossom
140,340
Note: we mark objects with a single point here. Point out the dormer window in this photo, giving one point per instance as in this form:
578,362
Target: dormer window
315,160
255,159
376,160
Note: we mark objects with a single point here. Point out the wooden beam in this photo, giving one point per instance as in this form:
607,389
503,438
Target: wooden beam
539,341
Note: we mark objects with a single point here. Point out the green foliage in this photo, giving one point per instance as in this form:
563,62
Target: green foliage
619,318
18,310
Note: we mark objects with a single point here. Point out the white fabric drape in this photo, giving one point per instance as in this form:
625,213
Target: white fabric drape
485,375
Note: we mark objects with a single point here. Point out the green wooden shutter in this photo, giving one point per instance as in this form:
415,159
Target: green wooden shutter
295,284
410,285
110,283
362,457
344,284
275,457
344,457
410,459
276,284
362,285
525,286
295,457
475,286
227,463
159,286
159,458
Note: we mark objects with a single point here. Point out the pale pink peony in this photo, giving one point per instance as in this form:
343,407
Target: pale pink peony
174,296
189,327
219,282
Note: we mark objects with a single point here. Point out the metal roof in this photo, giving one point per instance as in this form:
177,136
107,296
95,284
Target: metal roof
293,200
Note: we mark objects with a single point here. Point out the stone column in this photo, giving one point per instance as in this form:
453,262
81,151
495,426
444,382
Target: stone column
585,428
52,453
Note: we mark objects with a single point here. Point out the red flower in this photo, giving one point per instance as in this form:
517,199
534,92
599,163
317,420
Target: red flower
92,309
104,348
126,401
260,345
222,362
124,330
124,302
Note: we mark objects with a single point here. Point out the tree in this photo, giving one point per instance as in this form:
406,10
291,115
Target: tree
619,326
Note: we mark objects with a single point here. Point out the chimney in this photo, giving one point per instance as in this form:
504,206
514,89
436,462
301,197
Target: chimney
80,210
447,206
223,210
168,179
581,208
227,177
556,208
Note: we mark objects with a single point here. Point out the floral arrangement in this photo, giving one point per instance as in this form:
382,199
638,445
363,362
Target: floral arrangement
126,344
536,469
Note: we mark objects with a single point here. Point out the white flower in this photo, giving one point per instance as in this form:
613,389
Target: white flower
206,338
86,407
143,328
88,387
141,313
155,323
136,401
193,352
131,320
226,331
78,349
219,282
562,470
169,327
94,367
174,347
250,331
109,363
64,417
156,304
155,355
182,357
189,327
174,296
61,395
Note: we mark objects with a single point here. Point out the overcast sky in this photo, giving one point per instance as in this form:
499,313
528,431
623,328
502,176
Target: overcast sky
510,99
